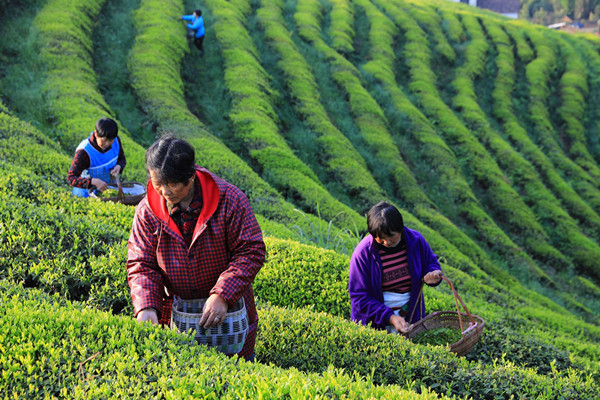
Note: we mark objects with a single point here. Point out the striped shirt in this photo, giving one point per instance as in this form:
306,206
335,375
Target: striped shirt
396,277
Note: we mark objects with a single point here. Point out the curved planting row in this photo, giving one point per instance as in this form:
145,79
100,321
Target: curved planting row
372,125
338,156
154,66
255,120
516,134
451,24
562,229
589,50
430,21
501,200
573,95
70,89
538,72
341,28
461,202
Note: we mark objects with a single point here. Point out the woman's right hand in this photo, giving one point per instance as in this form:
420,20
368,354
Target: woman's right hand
148,314
100,184
399,323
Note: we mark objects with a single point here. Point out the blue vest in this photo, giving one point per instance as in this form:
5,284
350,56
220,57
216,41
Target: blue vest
100,164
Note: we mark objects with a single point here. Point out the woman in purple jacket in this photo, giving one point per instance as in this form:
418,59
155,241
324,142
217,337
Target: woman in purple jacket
386,271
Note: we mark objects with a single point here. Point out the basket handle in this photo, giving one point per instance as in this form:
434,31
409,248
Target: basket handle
456,300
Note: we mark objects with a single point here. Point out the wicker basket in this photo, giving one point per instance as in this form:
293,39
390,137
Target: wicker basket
453,320
134,193
228,337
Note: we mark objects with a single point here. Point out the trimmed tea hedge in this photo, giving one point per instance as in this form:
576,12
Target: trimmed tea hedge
516,133
52,348
563,231
339,157
313,342
154,66
370,119
256,122
452,192
341,29
22,144
70,89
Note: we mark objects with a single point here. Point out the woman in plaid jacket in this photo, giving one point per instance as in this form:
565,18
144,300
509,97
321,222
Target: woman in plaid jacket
195,236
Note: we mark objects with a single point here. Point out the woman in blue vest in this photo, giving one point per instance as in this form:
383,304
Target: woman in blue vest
196,28
97,159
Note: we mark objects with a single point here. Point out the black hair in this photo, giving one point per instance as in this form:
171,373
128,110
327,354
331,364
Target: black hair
107,128
171,159
198,12
383,219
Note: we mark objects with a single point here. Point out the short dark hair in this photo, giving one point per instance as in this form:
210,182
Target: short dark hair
107,128
171,159
198,12
383,219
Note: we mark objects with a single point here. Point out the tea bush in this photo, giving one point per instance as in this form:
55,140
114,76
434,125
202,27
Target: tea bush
256,122
445,170
537,73
24,145
517,135
70,89
313,341
53,348
341,29
560,227
503,342
340,158
154,65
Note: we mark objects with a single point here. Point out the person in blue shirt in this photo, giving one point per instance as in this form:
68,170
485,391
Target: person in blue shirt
196,28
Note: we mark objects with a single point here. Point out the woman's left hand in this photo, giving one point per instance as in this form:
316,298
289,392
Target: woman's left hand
214,311
433,277
116,169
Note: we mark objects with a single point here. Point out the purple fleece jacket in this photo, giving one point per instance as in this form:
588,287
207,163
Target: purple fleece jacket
364,285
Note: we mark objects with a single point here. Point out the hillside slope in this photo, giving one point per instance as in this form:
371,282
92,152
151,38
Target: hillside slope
482,130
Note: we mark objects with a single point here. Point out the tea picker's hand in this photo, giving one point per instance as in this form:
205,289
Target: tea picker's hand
214,311
433,277
100,184
148,314
116,169
399,323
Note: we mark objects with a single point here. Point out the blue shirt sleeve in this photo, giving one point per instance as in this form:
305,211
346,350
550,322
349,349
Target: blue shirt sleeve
197,24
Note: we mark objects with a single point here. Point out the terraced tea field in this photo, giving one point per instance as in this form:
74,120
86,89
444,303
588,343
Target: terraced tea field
483,131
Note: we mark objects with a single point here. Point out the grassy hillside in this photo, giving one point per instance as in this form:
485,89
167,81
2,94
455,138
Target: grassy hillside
482,130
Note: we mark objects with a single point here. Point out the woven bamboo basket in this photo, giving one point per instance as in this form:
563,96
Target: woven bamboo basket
228,337
133,192
471,332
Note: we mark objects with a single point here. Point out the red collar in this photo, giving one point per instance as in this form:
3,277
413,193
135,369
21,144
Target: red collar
210,198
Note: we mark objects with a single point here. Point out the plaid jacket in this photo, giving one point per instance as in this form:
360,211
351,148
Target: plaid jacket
226,252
